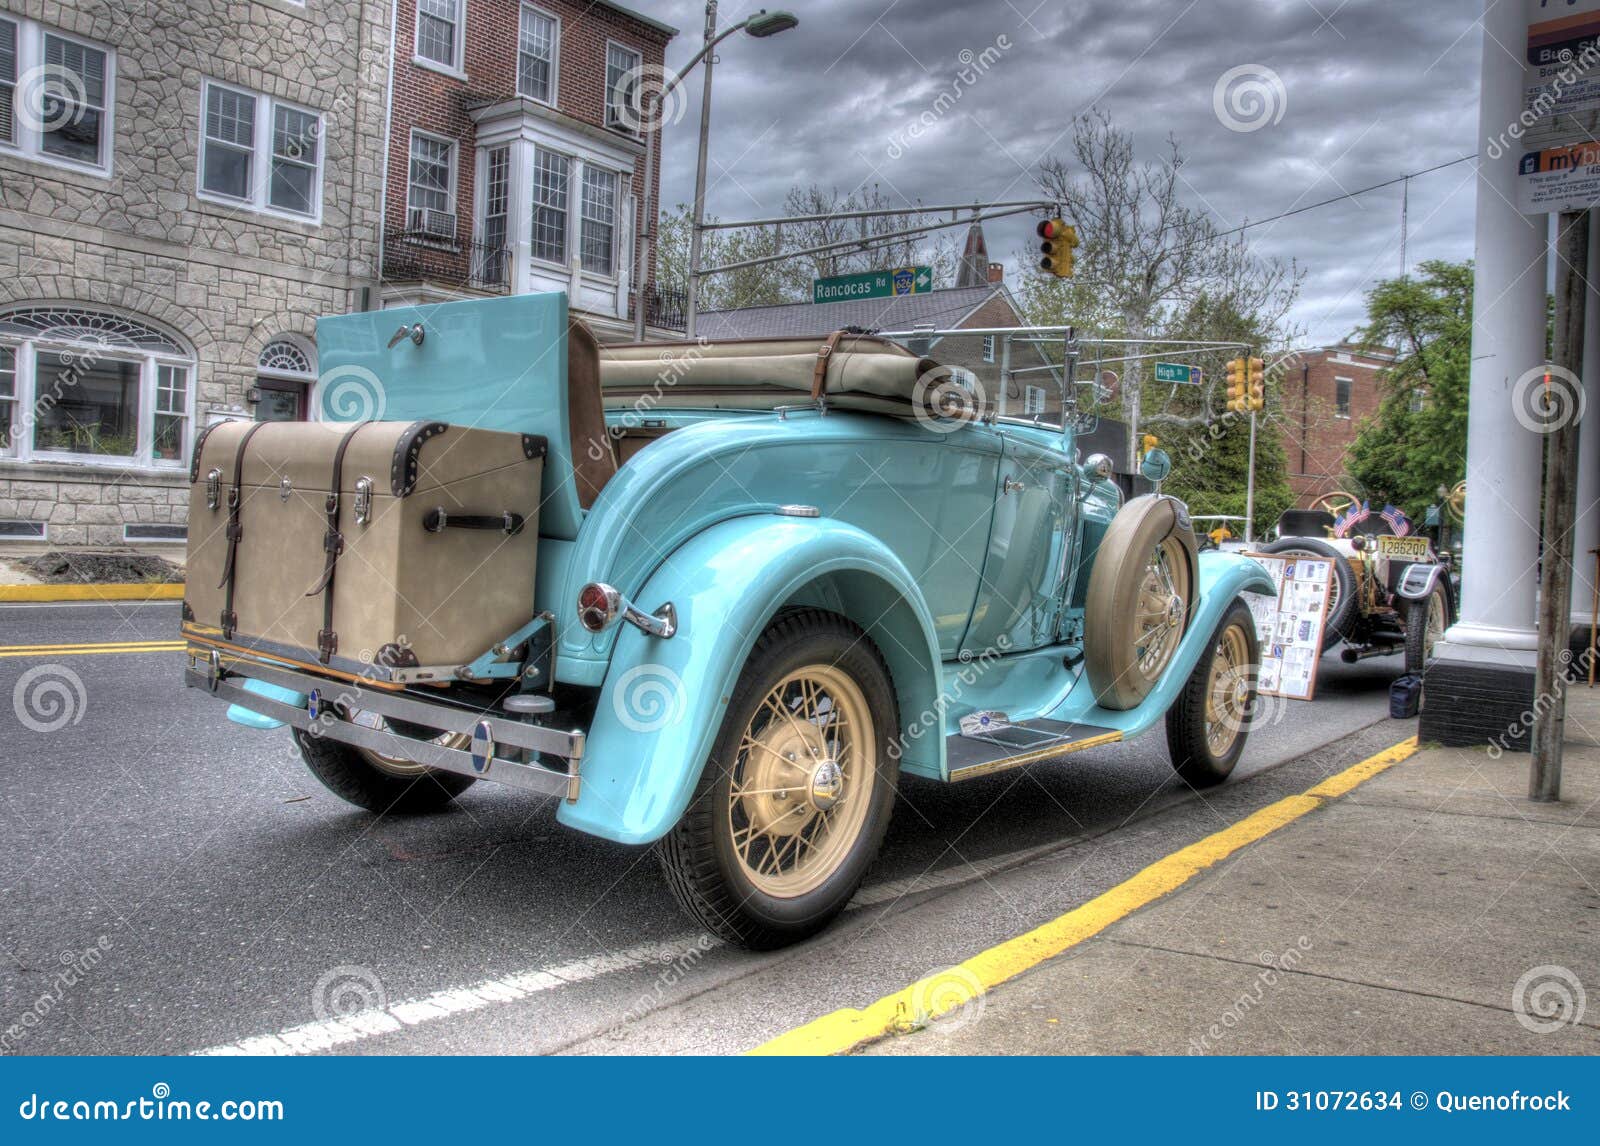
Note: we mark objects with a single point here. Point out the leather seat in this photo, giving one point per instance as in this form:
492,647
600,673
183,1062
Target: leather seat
594,457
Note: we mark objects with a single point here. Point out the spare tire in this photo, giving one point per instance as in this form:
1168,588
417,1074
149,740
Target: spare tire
1342,590
1140,594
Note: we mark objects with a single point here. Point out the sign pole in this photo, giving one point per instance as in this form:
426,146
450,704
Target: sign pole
1250,486
1560,509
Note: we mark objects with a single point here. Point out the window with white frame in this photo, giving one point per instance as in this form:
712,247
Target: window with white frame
550,170
92,386
598,230
258,152
494,255
431,188
1341,397
988,348
56,95
622,73
538,38
439,31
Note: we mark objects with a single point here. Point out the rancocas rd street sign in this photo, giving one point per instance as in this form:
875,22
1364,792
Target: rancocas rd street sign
1177,372
873,284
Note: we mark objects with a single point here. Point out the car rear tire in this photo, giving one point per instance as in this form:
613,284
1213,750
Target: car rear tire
794,801
376,782
1343,609
1426,621
1140,593
1208,725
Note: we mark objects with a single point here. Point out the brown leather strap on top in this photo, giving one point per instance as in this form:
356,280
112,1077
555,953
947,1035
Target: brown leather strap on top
332,545
819,376
229,619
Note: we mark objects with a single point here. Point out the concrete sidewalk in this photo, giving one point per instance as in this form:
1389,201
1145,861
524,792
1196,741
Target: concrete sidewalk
1433,910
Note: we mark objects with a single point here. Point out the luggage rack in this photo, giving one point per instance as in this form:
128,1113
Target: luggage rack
323,707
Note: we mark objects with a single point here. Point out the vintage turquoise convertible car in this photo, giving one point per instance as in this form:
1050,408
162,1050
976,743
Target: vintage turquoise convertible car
773,577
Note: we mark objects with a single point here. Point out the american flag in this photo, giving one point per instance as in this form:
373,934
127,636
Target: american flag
1398,521
1351,518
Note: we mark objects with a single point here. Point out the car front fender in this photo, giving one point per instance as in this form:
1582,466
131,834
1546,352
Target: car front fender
663,700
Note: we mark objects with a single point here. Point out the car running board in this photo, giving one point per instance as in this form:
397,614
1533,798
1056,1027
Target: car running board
988,743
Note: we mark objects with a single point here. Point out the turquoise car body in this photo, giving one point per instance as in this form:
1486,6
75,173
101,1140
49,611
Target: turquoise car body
971,587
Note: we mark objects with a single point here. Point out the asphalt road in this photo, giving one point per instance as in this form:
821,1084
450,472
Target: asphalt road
200,890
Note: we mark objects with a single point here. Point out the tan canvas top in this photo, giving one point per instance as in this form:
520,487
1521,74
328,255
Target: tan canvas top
854,371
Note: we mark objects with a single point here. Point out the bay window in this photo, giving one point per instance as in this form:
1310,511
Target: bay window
549,206
597,234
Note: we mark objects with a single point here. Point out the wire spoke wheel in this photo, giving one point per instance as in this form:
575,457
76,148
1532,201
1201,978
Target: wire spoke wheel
1227,691
396,765
1162,607
799,786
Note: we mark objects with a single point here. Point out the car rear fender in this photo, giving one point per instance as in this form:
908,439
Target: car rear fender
663,701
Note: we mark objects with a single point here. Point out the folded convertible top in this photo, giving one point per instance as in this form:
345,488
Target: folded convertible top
850,371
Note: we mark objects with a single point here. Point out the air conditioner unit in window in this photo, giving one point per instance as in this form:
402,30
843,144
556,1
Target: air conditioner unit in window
433,224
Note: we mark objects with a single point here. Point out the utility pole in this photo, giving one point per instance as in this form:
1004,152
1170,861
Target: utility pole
1560,508
1250,486
697,228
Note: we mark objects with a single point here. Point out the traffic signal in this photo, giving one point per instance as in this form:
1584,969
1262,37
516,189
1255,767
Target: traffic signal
1238,387
1055,249
1255,376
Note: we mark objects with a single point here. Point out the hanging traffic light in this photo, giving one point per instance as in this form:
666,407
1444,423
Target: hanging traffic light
1238,387
1055,250
1255,376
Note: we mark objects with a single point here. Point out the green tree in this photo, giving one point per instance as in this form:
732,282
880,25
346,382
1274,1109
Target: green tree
1417,442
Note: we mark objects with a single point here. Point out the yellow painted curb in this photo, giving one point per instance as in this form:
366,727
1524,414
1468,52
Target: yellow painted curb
944,991
133,591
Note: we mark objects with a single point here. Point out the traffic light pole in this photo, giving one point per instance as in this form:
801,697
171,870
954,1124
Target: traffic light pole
1250,486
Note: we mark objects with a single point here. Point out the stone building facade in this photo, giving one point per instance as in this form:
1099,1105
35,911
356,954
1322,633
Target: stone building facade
185,185
516,156
1327,395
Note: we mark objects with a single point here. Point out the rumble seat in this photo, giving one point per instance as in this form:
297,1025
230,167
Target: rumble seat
593,458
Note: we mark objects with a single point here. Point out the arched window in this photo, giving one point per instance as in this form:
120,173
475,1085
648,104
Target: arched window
90,385
284,373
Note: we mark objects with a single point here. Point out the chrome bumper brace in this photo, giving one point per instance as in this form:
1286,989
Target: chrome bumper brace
207,671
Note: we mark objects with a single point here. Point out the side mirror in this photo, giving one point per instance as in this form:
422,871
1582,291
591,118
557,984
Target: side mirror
1156,466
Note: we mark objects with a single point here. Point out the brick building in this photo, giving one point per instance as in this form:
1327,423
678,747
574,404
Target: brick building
1327,394
515,162
185,185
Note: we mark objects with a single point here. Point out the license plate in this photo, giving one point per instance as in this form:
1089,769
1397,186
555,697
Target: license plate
1412,548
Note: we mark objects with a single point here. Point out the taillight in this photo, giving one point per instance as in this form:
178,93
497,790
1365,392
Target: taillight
597,606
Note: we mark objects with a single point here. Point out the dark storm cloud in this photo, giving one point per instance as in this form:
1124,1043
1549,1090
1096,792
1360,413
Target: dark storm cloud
947,101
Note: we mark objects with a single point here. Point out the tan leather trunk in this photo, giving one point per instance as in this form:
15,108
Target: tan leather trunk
434,551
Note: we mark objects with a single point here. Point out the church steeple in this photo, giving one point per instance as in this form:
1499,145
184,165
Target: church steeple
974,268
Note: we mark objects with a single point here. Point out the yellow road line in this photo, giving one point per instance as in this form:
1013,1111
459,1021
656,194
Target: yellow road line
90,650
946,990
133,591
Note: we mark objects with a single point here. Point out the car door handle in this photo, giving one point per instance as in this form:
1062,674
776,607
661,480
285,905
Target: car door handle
1012,485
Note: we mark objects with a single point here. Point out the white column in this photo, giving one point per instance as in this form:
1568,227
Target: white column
1586,533
1501,543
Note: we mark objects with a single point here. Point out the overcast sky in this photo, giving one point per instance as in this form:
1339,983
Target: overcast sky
1370,90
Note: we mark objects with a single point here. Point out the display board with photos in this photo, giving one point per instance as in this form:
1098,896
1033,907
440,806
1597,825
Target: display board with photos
1290,625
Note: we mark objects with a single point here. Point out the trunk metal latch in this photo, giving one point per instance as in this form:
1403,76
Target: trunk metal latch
363,503
213,489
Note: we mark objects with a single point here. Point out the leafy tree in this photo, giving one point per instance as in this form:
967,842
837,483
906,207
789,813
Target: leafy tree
1417,442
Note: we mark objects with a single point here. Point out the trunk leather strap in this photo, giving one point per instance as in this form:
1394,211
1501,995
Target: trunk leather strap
230,569
819,376
332,546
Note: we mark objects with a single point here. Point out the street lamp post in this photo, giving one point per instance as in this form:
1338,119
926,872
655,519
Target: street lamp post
759,26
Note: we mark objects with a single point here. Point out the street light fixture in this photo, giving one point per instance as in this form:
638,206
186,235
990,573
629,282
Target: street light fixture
759,26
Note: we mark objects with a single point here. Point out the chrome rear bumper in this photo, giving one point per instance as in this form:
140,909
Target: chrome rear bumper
333,700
